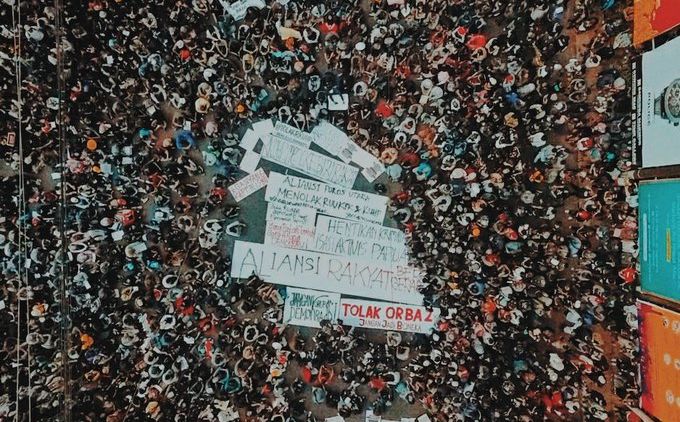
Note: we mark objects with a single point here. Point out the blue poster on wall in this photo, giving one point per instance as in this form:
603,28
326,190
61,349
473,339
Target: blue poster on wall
660,237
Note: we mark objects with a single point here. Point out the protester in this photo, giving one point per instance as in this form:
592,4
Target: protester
504,127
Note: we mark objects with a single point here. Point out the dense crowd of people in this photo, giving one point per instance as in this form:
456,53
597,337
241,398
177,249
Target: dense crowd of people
504,125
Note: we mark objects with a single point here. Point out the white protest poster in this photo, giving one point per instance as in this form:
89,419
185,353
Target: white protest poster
308,162
248,185
338,236
292,214
314,270
330,138
249,140
287,235
250,161
387,316
307,307
263,128
325,198
292,134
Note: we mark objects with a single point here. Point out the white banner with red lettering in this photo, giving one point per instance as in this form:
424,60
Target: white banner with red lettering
387,316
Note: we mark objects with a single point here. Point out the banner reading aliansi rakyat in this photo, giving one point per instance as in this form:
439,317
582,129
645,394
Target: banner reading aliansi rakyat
325,198
338,274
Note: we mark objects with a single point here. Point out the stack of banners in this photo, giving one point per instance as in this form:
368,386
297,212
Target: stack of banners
660,361
325,198
299,158
656,88
654,17
308,307
332,273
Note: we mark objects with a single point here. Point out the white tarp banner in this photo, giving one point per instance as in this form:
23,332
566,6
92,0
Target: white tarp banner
293,214
307,307
287,235
335,141
359,239
325,198
248,185
387,316
308,162
314,270
292,134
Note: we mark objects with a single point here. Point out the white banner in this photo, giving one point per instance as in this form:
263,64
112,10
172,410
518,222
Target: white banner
294,214
358,239
248,185
327,199
308,307
335,141
287,235
387,316
308,162
292,134
314,270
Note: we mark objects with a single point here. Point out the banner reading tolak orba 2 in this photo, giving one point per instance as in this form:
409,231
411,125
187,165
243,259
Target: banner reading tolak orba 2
388,316
308,308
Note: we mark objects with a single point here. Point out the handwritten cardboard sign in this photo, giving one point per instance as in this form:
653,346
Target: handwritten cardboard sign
293,214
359,239
284,234
314,270
325,198
387,316
248,185
308,162
307,307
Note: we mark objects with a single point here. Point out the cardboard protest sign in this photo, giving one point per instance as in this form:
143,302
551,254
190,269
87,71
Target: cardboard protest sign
308,162
307,307
248,185
250,161
387,316
360,239
284,234
314,270
293,214
325,198
660,362
292,134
